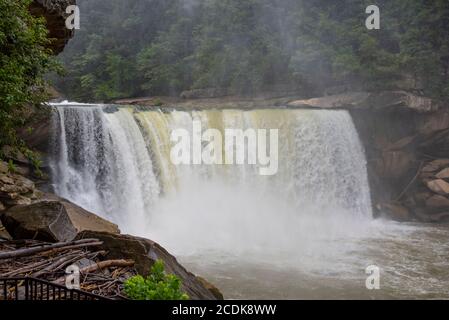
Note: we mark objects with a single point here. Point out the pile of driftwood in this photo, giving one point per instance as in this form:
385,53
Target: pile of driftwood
48,261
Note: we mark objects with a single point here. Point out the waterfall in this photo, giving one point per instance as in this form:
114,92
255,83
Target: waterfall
101,163
116,162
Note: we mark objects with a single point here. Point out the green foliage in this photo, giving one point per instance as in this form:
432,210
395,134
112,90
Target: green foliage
35,160
158,102
12,167
24,60
161,47
157,286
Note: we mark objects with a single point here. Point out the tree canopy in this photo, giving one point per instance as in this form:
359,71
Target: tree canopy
24,60
161,47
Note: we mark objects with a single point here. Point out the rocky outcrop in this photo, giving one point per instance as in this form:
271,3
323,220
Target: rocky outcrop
52,221
144,253
406,140
387,101
15,189
54,12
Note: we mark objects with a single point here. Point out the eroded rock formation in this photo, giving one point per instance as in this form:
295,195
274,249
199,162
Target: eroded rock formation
54,12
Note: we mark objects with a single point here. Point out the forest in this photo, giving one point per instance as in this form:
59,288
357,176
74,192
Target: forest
162,47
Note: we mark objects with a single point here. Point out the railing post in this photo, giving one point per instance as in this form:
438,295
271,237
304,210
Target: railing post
26,289
16,288
5,291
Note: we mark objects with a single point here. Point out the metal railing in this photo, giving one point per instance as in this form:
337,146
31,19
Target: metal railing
33,289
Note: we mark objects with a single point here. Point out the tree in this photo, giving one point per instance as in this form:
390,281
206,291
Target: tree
24,60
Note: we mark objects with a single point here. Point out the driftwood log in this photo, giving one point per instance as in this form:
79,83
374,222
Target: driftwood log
61,245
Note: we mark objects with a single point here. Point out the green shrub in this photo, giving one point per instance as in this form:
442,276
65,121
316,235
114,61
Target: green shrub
12,167
25,59
157,286
158,102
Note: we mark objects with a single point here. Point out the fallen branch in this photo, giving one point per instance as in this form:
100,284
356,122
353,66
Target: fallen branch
25,269
99,266
72,247
33,251
67,259
106,264
411,182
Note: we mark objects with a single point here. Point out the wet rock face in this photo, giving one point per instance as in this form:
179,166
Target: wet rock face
145,252
406,140
55,14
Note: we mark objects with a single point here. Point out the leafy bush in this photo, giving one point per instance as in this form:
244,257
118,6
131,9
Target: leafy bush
157,286
24,60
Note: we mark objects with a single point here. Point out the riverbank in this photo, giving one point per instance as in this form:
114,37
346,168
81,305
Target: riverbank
30,218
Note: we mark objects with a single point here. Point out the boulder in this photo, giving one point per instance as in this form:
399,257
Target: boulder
395,212
2,207
437,201
429,168
439,186
52,221
145,252
443,174
435,165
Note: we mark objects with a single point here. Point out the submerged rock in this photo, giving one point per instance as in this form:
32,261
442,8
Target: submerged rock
395,212
145,252
52,221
